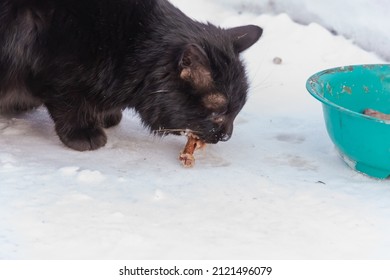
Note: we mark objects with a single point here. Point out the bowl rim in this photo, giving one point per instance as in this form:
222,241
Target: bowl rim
313,79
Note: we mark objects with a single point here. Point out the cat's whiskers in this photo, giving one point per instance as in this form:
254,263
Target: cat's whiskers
160,91
185,131
260,79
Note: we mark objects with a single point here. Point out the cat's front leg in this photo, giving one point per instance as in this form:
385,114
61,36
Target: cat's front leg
78,128
112,119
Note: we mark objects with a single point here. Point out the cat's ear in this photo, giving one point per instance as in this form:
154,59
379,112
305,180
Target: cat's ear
244,36
194,67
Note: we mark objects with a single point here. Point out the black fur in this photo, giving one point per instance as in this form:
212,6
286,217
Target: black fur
87,60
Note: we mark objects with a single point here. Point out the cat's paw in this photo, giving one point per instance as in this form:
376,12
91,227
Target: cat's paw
86,139
112,119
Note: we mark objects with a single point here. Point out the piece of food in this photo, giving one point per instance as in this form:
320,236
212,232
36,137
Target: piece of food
187,155
376,114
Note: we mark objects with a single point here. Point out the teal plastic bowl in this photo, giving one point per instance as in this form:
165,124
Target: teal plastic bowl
345,92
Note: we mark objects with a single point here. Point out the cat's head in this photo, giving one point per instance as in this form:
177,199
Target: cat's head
210,85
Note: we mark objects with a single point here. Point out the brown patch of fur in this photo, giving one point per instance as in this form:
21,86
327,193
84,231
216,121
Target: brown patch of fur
195,68
199,77
215,101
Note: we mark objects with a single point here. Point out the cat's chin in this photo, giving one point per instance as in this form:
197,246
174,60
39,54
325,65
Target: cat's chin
216,138
211,141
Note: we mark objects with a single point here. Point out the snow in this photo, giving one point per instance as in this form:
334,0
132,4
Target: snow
276,190
364,21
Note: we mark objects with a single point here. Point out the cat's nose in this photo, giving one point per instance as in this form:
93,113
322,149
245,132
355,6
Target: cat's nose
225,137
226,133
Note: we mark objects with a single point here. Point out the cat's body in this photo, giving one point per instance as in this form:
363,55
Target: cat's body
87,60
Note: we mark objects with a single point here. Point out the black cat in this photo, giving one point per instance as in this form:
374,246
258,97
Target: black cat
87,60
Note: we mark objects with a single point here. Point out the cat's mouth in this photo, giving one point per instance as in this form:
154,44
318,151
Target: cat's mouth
209,139
177,131
183,132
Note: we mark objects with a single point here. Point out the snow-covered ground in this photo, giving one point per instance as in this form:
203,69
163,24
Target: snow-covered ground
364,21
276,190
